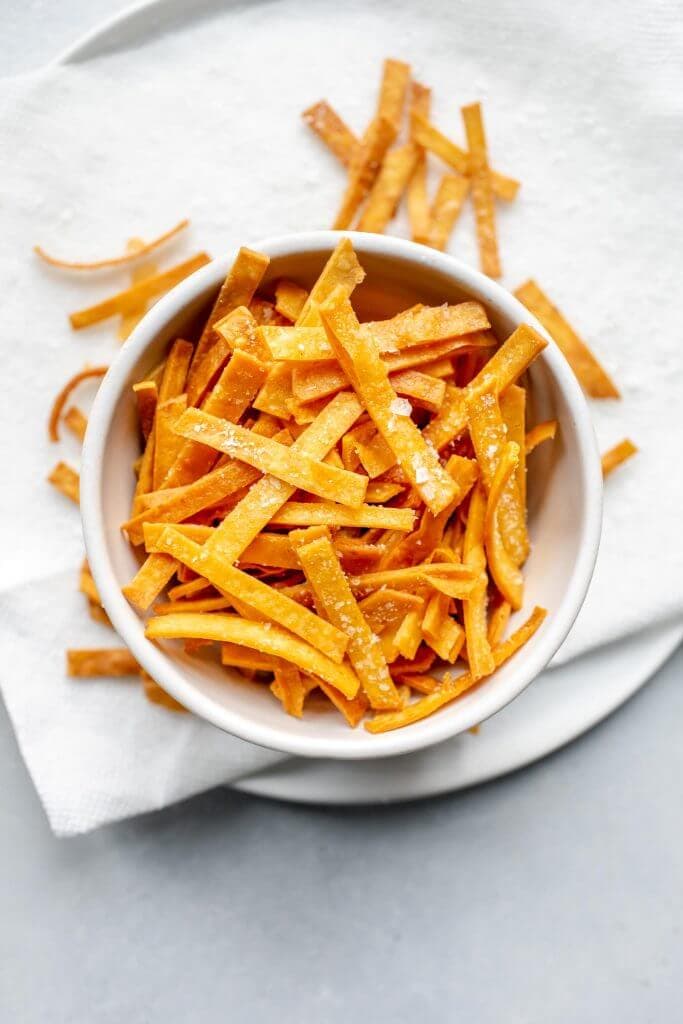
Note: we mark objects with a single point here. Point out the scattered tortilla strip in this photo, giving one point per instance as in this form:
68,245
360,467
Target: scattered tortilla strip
498,620
67,481
504,570
370,381
167,442
149,268
391,182
502,369
446,208
64,395
77,422
328,126
393,91
150,579
238,289
426,135
335,600
260,636
131,298
276,459
452,687
363,169
482,190
154,693
540,433
298,513
290,299
418,202
592,377
146,396
115,261
105,661
615,456
259,596
474,608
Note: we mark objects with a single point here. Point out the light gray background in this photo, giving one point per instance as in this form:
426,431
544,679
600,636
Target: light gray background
551,896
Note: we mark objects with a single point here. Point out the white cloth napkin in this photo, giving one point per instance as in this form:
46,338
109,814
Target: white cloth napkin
583,104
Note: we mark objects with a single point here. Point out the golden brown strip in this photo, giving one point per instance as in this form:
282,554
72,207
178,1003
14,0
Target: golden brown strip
77,422
364,168
149,268
474,609
167,443
146,396
504,570
114,261
63,396
615,456
155,695
482,190
67,481
105,661
334,132
436,142
446,208
290,299
417,199
314,513
541,432
393,91
391,182
150,579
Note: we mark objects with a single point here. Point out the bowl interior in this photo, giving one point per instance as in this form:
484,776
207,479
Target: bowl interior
557,504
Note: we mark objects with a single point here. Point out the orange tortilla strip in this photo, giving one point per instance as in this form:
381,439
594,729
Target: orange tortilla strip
174,375
540,433
167,442
342,270
334,132
513,411
104,661
131,298
393,91
424,391
146,396
76,421
419,212
592,377
364,168
62,398
288,686
384,609
300,513
241,330
498,620
153,575
426,135
446,208
260,636
290,298
615,456
395,173
504,570
155,695
149,268
474,608
67,481
115,261
482,190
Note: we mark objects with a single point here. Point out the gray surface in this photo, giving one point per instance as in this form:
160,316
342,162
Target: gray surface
552,896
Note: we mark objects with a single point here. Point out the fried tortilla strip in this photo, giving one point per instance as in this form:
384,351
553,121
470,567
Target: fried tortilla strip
155,695
149,268
115,261
314,513
408,636
391,182
154,574
446,208
276,459
482,190
131,298
393,91
538,434
424,391
77,422
257,508
241,330
615,456
272,550
415,578
258,596
353,710
391,415
276,393
444,635
379,491
498,620
288,687
342,270
502,370
335,600
87,585
167,442
385,609
174,376
67,481
63,396
411,328
505,572
419,213
513,411
230,398
474,608
426,135
290,299
104,661
146,396
238,289
452,687
237,656
259,636
334,132
592,377
204,604
364,168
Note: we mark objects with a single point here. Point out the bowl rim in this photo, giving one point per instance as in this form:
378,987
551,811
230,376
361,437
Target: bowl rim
170,676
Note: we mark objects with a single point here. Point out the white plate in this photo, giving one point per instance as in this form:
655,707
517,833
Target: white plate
561,705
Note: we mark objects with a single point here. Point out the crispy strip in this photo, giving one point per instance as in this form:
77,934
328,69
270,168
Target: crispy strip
334,132
149,268
379,491
482,190
513,411
393,91
276,459
167,442
342,270
131,298
66,480
288,686
115,261
63,396
155,695
391,182
276,393
384,609
174,376
506,574
290,298
313,513
498,620
592,377
474,608
146,396
335,600
103,661
260,636
408,636
243,657
153,575
258,596
436,142
77,422
87,585
424,391
452,687
541,432
370,381
353,710
241,330
363,169
446,208
615,456
204,604
418,202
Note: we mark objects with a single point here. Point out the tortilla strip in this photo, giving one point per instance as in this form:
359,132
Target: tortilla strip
384,609
393,91
260,636
62,398
342,270
363,169
505,572
436,142
313,513
288,687
446,208
149,268
335,600
95,662
370,380
131,298
167,442
417,200
379,491
482,190
276,459
115,261
77,422
592,377
425,392
498,620
67,481
146,396
290,298
353,710
541,432
391,182
452,687
174,375
334,132
474,608
234,655
155,695
241,330
154,574
205,604
513,410
615,456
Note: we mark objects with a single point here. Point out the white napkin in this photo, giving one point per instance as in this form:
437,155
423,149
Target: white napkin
582,104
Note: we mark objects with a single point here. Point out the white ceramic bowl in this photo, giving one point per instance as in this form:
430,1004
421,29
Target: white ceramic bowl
565,489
